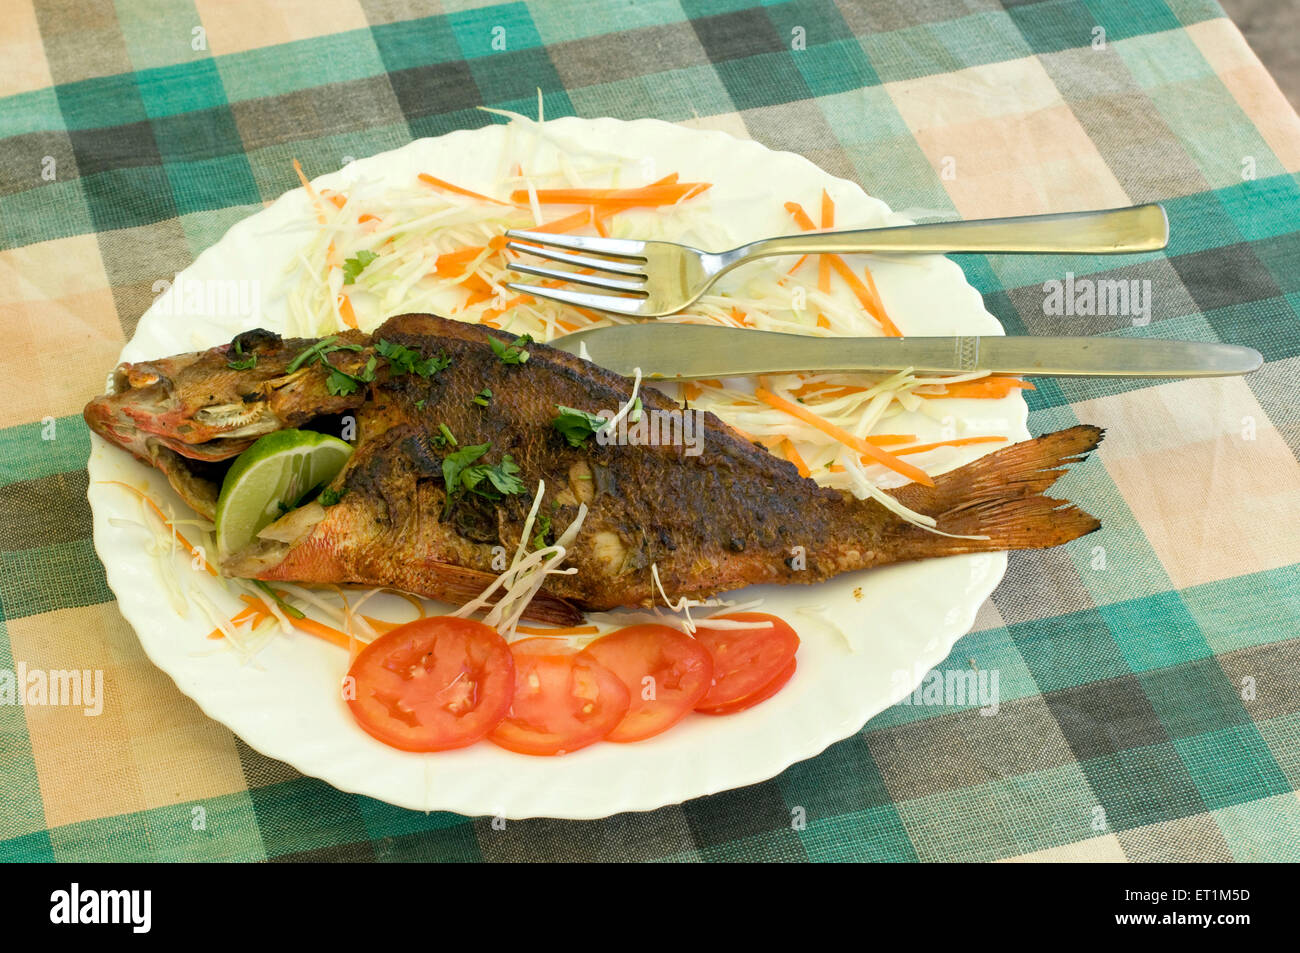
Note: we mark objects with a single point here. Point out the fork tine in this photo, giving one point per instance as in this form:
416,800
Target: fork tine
615,247
599,264
609,284
612,303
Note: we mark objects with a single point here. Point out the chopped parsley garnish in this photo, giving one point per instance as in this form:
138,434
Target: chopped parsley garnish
329,497
511,353
419,404
355,266
318,351
463,474
483,397
340,383
405,360
245,362
444,437
543,525
577,425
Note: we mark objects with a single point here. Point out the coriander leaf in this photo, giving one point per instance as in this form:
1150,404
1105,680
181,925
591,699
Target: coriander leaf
245,363
310,354
432,365
341,384
318,351
445,437
454,465
405,360
503,476
543,525
577,425
329,497
354,266
511,353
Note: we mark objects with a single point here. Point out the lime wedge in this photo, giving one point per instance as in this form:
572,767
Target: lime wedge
269,478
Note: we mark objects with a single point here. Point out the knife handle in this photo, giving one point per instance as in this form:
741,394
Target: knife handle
1042,356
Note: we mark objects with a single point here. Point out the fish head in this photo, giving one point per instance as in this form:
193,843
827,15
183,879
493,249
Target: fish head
197,405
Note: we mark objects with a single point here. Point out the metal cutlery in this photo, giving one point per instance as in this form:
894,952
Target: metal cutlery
694,351
650,279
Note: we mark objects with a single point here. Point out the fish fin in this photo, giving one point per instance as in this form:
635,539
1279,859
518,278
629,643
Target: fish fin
999,496
458,585
455,585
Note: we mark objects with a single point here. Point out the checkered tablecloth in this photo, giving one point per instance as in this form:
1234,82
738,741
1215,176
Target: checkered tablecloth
1149,674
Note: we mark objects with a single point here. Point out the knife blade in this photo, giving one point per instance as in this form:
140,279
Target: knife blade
694,351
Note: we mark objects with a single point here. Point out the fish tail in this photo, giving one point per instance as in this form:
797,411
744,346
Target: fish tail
1000,497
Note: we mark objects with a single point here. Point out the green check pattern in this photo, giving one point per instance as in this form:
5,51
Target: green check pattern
1149,705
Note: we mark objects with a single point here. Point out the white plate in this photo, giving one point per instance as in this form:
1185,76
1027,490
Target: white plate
902,619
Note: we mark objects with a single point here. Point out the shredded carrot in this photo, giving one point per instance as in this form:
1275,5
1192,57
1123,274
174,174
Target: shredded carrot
823,266
800,216
813,387
460,256
448,187
576,220
367,217
877,455
311,193
194,550
648,196
333,197
311,626
959,442
479,290
983,387
871,287
248,612
792,455
345,311
548,630
824,261
491,314
864,296
599,224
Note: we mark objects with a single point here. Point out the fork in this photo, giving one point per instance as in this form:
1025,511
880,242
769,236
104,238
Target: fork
653,279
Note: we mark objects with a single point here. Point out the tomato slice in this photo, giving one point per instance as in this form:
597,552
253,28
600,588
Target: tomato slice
746,660
666,672
564,700
762,695
433,684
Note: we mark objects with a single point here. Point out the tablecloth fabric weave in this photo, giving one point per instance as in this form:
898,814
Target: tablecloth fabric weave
1149,674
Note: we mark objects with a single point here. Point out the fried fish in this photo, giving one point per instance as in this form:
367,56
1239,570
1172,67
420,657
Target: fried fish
421,390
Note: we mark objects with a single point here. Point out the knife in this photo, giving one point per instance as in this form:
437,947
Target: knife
693,351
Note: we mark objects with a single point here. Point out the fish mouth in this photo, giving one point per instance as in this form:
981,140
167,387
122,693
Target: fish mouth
146,413
144,409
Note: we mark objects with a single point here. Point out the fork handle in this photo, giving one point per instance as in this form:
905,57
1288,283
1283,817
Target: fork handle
1112,231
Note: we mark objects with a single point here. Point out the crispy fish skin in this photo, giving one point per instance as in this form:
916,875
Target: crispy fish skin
731,516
